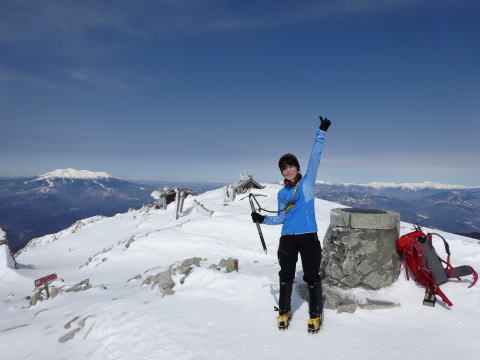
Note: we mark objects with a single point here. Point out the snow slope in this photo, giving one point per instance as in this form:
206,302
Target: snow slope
213,314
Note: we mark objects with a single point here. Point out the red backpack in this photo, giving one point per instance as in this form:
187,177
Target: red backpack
419,256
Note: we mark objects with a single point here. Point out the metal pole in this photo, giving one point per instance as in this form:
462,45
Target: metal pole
183,194
177,203
258,225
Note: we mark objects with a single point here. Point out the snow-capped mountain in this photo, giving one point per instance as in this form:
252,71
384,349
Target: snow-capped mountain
411,186
72,174
124,313
31,207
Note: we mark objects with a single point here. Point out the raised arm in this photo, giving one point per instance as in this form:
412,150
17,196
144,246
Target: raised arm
314,162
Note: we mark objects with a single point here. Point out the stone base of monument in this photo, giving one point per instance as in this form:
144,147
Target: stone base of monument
341,300
359,251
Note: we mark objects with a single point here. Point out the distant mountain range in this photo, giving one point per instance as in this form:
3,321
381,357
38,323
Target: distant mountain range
446,207
35,206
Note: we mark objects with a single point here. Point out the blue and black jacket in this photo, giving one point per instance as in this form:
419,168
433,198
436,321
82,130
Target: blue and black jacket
301,218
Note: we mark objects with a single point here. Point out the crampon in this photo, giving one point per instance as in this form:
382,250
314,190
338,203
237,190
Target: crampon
284,320
313,325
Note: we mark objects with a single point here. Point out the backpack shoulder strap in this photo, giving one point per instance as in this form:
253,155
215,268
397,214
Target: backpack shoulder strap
459,271
445,243
463,270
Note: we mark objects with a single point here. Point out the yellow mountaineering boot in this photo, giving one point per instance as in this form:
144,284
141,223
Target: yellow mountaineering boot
284,320
314,324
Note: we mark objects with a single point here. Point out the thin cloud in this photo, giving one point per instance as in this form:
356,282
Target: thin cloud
291,12
98,80
27,79
67,24
7,75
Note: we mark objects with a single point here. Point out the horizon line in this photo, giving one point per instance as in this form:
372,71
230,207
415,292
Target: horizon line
318,182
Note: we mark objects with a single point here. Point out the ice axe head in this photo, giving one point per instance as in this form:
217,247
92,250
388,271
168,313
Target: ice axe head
252,195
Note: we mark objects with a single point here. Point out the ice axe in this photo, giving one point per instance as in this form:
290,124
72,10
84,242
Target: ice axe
251,197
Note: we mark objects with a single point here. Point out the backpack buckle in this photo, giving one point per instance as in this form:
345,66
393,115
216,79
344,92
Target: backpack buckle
430,299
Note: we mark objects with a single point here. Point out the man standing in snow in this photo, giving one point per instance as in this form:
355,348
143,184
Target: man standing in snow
296,211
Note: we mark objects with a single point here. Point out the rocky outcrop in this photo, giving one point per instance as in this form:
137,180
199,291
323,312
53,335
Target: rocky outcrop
230,264
81,286
164,281
40,293
80,325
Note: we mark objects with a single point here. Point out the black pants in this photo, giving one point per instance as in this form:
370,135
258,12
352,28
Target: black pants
310,251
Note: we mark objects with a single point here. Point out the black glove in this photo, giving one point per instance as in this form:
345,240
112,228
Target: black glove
324,123
256,217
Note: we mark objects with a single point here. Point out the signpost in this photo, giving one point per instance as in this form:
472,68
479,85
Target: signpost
45,281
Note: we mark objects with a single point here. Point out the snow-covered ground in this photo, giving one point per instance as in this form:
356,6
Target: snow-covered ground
213,314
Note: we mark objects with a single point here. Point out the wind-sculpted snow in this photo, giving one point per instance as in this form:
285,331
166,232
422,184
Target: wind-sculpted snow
54,237
212,313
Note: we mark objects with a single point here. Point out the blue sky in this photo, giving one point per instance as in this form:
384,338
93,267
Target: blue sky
208,89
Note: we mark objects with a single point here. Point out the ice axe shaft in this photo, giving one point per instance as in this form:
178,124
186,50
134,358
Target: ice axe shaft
259,229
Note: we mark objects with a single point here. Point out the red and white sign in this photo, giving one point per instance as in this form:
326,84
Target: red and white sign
45,280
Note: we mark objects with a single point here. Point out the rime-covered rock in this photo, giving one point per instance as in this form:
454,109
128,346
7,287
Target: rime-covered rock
6,258
186,265
163,280
80,286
